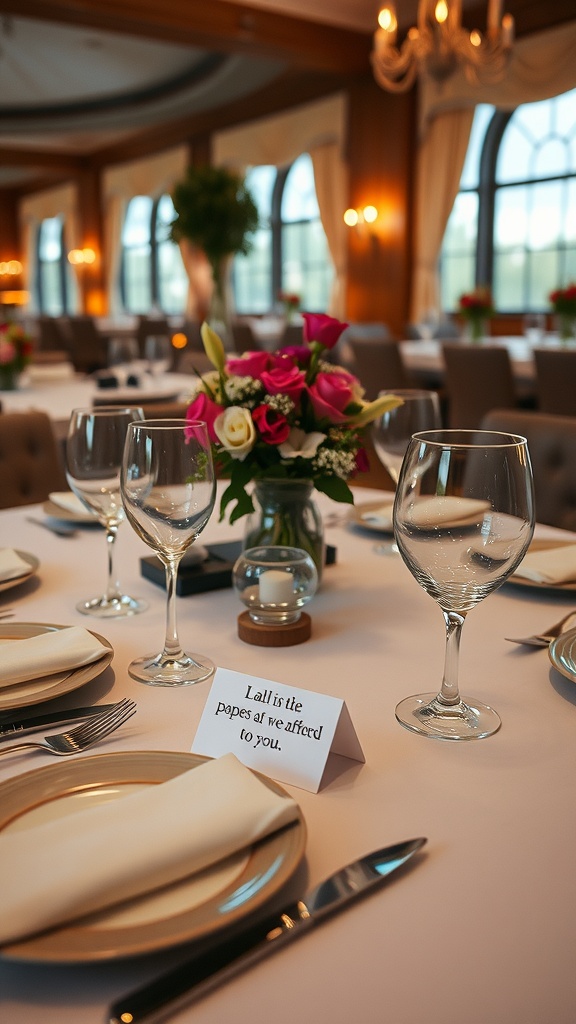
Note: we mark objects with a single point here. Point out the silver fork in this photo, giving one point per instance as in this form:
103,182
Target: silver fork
76,740
543,639
60,531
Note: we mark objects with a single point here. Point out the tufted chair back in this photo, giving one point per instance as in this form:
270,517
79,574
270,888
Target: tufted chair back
30,461
552,446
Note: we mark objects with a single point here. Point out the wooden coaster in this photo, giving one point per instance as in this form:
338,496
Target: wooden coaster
274,636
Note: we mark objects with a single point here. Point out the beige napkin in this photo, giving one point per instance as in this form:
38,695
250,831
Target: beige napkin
50,371
70,502
42,655
445,511
115,851
11,565
381,517
555,565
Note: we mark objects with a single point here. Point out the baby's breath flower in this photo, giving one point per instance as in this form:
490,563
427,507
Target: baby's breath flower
243,391
280,403
337,463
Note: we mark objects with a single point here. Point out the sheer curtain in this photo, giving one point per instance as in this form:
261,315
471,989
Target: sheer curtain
542,66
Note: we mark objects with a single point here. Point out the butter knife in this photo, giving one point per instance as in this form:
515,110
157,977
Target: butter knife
200,973
18,726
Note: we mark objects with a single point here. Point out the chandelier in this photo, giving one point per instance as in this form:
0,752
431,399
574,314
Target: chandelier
439,45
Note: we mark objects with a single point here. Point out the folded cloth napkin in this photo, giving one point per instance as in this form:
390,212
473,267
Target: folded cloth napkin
135,844
59,651
11,565
70,502
428,513
50,371
381,517
555,565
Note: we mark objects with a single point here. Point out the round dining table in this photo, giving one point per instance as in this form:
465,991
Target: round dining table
480,928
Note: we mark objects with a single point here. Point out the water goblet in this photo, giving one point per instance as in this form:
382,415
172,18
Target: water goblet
391,432
463,520
158,354
94,449
168,488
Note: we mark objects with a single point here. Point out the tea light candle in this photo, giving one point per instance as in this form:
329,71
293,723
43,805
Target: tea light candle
275,587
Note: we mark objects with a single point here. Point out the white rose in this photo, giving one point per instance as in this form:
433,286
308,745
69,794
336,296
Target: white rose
235,431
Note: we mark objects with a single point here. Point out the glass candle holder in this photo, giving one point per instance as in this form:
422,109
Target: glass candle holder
274,583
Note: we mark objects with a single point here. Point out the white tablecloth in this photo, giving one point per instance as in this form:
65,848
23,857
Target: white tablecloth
483,930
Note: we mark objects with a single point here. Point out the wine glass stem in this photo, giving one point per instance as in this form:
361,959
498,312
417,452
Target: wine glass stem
172,646
449,694
113,585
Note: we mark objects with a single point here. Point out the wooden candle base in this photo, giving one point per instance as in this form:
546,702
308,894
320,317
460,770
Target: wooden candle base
274,636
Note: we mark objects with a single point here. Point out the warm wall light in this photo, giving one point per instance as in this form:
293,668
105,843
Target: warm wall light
179,340
14,298
10,268
439,45
81,257
365,215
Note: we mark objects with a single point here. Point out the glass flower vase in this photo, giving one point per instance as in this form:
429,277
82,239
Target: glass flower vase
287,515
566,325
476,328
8,378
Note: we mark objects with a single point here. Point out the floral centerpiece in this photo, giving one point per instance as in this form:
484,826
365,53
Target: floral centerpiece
563,302
476,308
15,353
288,418
290,302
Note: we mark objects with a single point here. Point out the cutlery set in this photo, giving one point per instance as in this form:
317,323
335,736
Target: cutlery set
545,638
77,740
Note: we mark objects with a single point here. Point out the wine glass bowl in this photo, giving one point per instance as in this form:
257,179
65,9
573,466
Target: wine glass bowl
463,520
168,489
158,354
391,432
94,450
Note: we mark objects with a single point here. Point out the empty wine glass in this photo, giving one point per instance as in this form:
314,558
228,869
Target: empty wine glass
123,355
94,449
391,432
168,488
463,519
158,354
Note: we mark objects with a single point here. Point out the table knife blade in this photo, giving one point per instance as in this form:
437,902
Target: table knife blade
208,968
19,726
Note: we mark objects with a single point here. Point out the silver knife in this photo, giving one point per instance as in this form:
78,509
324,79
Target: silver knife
18,726
200,973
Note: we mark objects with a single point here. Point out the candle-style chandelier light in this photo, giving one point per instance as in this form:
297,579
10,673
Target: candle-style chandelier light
439,45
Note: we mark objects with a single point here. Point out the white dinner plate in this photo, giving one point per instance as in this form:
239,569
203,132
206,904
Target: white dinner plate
191,909
384,524
551,588
562,654
66,515
20,695
25,575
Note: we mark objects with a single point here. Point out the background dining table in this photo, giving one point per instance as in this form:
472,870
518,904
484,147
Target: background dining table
482,930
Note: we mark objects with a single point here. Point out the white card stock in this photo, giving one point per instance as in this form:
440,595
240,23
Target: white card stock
282,731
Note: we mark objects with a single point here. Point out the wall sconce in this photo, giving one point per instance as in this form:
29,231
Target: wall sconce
365,215
9,268
81,257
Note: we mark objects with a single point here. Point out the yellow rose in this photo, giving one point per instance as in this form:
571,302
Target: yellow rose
235,431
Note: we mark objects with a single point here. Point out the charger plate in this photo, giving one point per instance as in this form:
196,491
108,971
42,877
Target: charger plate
191,909
562,654
15,581
35,691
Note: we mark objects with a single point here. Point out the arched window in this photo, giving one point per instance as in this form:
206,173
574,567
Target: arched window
152,274
513,225
56,291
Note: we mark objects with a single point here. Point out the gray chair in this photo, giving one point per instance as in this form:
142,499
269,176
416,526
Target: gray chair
552,447
556,380
378,365
243,337
477,379
31,464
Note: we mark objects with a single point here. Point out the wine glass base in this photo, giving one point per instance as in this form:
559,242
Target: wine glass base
424,714
161,670
111,608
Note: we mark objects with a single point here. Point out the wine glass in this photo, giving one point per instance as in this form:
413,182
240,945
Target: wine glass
463,519
158,354
123,356
94,449
168,488
391,432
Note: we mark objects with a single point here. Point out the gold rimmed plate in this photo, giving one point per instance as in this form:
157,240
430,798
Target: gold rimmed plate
562,654
35,691
188,910
15,581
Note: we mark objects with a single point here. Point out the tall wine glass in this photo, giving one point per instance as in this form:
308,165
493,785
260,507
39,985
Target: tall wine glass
391,432
94,449
463,519
158,354
168,488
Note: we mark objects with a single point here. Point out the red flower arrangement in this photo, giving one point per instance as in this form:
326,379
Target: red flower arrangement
15,348
476,305
563,300
283,415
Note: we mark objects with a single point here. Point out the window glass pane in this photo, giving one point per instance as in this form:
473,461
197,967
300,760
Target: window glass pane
260,183
510,217
252,274
533,120
306,266
136,230
299,200
51,266
546,213
136,255
471,170
550,159
515,155
460,236
457,278
509,269
172,281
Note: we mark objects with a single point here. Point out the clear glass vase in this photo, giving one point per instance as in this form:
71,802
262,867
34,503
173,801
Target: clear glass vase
286,514
566,326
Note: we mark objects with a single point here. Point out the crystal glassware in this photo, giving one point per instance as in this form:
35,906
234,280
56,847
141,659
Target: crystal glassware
168,488
94,450
463,520
158,354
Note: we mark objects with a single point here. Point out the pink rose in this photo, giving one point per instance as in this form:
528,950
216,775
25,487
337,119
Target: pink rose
251,364
297,354
7,352
362,464
272,426
331,394
203,408
287,380
321,328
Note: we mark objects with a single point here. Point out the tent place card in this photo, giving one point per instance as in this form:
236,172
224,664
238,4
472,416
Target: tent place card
282,731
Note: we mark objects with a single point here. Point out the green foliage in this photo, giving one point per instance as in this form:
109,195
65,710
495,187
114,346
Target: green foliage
215,211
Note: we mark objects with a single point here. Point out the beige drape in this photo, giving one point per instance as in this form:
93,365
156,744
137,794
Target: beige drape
331,181
542,66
